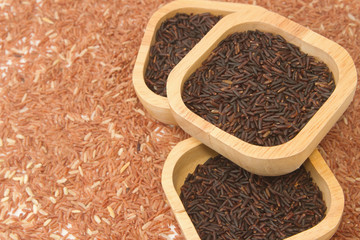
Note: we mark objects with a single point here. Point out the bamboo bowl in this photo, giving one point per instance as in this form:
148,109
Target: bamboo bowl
155,104
280,159
185,156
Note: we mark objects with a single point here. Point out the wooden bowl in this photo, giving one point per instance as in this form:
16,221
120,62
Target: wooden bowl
287,157
155,104
186,155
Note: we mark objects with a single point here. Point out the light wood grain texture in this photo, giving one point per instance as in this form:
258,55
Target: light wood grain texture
185,156
287,157
155,104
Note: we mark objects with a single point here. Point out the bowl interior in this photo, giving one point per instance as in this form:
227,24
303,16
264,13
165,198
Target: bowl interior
188,154
298,39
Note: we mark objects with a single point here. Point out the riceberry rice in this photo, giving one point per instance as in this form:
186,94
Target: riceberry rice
175,38
258,87
225,201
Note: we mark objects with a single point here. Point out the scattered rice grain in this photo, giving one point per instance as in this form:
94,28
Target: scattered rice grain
121,150
106,220
14,236
55,236
87,136
111,212
52,199
6,192
29,191
10,141
97,219
125,167
62,180
45,19
146,225
47,222
43,212
81,171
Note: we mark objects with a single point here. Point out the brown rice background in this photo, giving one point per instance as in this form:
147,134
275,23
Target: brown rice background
78,155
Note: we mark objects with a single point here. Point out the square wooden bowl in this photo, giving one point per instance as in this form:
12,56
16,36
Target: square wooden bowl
155,104
287,157
186,155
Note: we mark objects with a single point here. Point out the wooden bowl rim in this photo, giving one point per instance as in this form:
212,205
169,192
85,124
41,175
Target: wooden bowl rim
155,104
323,230
259,159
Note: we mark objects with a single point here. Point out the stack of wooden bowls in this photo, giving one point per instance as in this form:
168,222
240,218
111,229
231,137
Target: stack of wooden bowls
209,140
